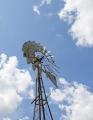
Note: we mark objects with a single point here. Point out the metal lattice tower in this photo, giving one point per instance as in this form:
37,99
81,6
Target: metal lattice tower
42,62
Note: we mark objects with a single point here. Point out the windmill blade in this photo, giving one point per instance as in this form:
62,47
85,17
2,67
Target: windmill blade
51,77
48,68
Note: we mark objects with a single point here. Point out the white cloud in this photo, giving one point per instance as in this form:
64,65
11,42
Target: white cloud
31,94
80,13
74,100
36,9
6,118
45,2
25,118
42,3
14,83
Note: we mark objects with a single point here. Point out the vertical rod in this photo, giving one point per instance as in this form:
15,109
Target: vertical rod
39,92
35,101
47,100
40,87
43,110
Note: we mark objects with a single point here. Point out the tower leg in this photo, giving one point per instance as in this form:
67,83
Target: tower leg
40,100
46,100
35,102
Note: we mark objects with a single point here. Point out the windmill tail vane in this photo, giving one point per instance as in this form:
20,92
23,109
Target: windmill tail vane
40,58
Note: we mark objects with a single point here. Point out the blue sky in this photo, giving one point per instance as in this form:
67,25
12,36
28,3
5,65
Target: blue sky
19,23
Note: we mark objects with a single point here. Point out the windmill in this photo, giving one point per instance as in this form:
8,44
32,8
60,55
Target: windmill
42,62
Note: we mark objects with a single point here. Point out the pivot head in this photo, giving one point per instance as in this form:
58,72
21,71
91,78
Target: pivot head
37,55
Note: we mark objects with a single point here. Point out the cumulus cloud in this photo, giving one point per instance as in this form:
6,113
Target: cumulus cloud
80,14
74,100
42,3
6,118
31,94
14,83
36,9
